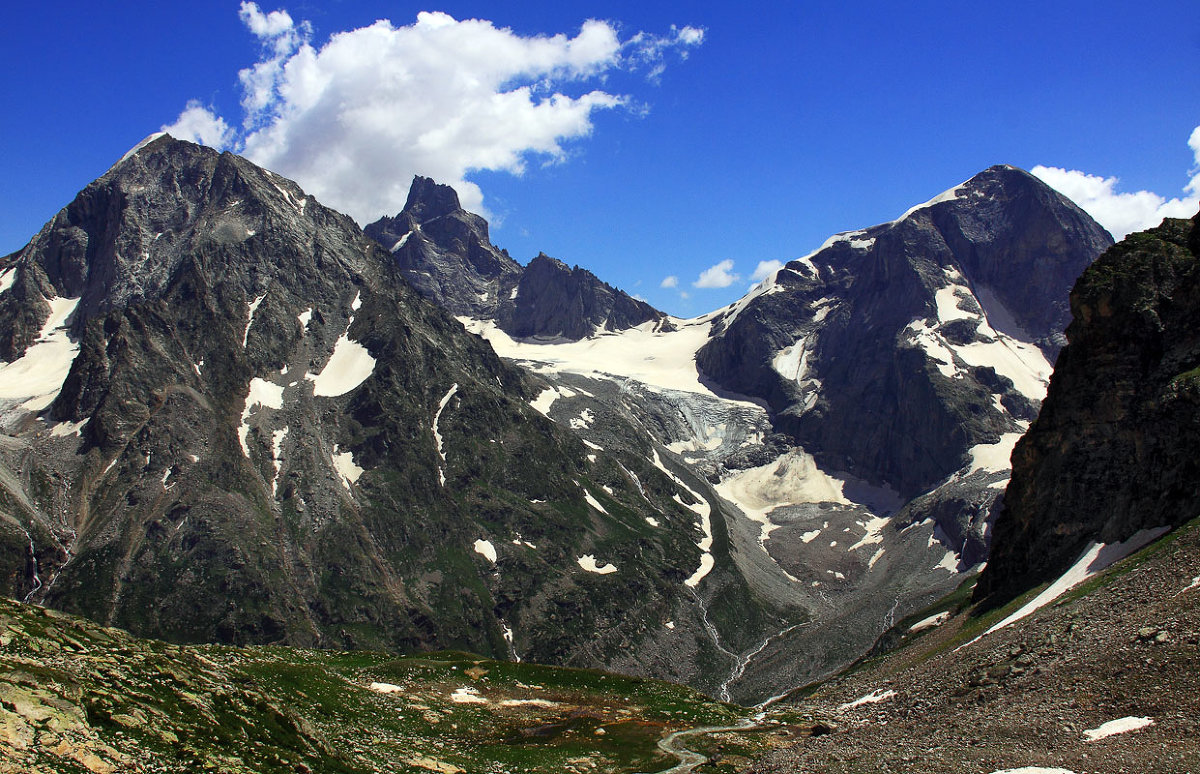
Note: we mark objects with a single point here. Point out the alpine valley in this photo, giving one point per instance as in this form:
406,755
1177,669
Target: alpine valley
231,417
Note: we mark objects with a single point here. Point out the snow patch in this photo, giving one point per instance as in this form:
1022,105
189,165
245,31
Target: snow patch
584,421
133,151
348,367
343,465
947,300
304,318
261,393
931,622
588,563
37,376
949,562
994,457
874,535
701,508
791,479
7,277
591,445
528,703
1120,726
467,695
485,549
63,429
386,688
653,522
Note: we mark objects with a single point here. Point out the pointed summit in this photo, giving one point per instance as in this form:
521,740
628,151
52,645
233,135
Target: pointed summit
428,200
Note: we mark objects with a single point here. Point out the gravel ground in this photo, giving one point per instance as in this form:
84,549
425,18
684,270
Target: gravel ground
1025,695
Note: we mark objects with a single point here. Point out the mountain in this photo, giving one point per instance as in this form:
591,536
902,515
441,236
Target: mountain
250,423
854,412
445,252
1113,451
229,418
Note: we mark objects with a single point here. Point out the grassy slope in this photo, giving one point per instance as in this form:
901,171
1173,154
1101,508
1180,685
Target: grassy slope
78,697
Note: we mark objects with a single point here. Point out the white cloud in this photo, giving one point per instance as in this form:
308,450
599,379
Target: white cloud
669,282
199,124
718,276
1119,212
354,119
765,269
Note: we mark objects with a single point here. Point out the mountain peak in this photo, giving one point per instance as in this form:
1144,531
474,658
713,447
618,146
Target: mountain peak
428,199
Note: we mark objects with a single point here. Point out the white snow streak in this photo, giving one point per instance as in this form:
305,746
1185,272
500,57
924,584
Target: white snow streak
701,508
874,697
1097,557
401,242
253,307
436,435
1121,726
592,501
276,456
930,622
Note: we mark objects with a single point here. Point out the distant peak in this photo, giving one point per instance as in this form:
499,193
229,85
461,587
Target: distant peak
428,199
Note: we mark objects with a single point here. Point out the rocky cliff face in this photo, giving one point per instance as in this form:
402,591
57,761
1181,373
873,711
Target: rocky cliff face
228,417
444,251
893,350
1114,448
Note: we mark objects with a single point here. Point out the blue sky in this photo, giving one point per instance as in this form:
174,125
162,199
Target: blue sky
667,154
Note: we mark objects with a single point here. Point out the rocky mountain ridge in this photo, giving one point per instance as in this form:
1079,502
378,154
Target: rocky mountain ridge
248,427
445,252
855,412
1113,450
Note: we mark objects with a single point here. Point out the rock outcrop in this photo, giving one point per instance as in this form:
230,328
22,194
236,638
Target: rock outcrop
1114,449
444,251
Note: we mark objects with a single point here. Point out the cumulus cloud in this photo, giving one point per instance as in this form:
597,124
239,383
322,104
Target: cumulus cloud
765,269
669,282
197,123
1125,212
718,276
354,119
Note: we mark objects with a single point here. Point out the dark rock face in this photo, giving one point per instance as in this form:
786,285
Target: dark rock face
1114,449
554,301
266,435
444,251
891,384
